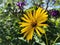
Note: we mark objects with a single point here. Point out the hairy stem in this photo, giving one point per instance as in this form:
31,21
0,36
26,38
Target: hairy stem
46,39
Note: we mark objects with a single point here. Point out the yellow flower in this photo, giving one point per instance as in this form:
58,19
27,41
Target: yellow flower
32,21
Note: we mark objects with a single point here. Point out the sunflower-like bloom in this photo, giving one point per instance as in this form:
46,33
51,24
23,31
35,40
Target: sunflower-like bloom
32,21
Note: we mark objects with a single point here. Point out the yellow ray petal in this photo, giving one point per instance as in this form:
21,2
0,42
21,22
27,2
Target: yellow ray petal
42,17
34,13
45,13
23,24
26,33
25,19
38,33
29,13
31,16
30,35
26,29
42,11
41,30
42,24
19,22
42,20
38,11
25,16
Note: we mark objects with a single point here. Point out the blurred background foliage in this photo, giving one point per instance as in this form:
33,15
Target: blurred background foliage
10,16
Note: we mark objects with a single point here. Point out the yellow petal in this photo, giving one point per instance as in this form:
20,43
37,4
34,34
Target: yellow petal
19,22
26,16
26,29
25,19
23,24
42,17
38,33
38,11
42,24
29,14
41,30
43,11
34,13
42,14
42,20
30,35
26,33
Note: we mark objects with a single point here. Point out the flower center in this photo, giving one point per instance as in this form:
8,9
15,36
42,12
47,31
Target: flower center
34,24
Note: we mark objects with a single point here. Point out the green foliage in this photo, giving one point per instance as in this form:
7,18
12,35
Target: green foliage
57,2
1,1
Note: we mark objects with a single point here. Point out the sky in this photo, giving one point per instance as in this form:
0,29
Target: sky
29,4
50,5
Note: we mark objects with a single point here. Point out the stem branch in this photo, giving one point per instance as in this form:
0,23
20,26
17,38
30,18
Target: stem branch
56,40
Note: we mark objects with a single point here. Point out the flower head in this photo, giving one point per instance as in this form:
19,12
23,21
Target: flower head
32,21
20,4
54,12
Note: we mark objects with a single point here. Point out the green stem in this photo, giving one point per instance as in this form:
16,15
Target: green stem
56,40
46,39
30,43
